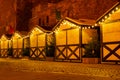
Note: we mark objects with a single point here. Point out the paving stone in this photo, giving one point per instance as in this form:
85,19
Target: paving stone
104,70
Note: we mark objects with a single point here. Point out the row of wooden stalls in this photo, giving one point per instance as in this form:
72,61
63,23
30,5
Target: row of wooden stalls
22,44
64,43
67,40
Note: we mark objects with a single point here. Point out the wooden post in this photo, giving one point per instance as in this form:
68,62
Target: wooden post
80,41
66,46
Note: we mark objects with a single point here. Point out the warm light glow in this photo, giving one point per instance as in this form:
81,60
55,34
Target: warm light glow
113,11
92,26
41,40
109,14
3,38
85,27
99,22
116,8
4,42
79,27
103,20
56,31
36,31
16,35
111,33
105,17
67,23
89,27
96,24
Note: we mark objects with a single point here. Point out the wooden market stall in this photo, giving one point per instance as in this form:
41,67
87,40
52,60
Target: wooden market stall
17,45
4,44
70,37
110,24
37,43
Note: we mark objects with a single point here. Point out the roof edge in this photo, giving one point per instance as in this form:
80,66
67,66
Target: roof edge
107,12
71,20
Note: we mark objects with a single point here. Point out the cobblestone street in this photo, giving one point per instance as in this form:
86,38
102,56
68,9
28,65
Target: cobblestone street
12,75
17,69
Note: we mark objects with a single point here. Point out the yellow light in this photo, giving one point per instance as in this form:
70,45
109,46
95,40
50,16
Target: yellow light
99,22
109,14
103,20
64,23
49,33
85,27
113,11
73,25
95,24
116,8
89,27
105,17
58,29
92,26
79,27
61,24
56,32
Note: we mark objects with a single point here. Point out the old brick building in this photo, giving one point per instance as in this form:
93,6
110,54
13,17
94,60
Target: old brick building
22,15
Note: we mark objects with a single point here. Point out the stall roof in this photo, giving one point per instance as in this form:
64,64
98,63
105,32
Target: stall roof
4,37
81,22
109,14
20,34
40,28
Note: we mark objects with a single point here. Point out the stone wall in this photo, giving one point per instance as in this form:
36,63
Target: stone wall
76,9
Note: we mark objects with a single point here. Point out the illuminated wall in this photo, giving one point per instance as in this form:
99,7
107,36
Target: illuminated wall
17,41
4,42
37,38
111,32
4,46
37,42
111,36
67,34
17,45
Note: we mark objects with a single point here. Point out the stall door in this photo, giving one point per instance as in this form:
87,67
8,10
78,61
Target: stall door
89,35
20,47
4,48
68,45
41,46
33,46
37,46
111,42
17,48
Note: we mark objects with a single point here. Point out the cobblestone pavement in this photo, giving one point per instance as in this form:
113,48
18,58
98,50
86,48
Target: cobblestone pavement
12,75
64,70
